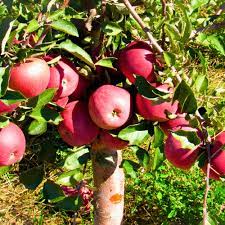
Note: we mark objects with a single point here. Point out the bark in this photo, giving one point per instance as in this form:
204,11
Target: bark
109,186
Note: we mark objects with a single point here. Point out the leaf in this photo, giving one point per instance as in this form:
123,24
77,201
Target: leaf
65,26
111,28
9,4
216,44
32,26
32,177
147,90
142,155
136,134
201,83
52,192
77,51
4,169
70,178
106,62
70,203
170,58
130,168
4,80
186,98
198,3
158,158
4,121
76,159
37,127
12,97
158,137
5,27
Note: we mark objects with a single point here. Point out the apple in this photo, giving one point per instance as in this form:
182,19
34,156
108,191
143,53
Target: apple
137,58
30,77
110,142
12,144
7,108
156,110
174,124
81,89
217,156
179,151
212,173
63,76
77,128
110,106
62,102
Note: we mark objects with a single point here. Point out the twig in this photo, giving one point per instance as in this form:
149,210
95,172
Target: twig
92,14
163,2
143,26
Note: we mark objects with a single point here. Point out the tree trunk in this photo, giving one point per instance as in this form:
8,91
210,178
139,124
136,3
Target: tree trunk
109,184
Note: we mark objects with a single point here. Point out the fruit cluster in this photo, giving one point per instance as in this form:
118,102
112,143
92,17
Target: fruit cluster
91,113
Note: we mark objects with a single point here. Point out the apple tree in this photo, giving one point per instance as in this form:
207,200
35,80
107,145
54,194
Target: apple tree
83,81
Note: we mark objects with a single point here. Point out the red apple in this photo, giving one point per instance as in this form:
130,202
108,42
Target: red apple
110,106
110,142
77,128
63,76
12,144
217,156
174,124
212,173
62,102
179,152
81,89
137,58
156,110
7,108
30,78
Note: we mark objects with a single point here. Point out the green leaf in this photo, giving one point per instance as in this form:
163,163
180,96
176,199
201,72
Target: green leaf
12,97
77,51
43,99
4,80
147,90
186,98
142,155
170,58
201,83
76,159
32,26
37,128
136,134
70,178
70,203
111,28
65,26
158,137
4,121
130,168
52,192
32,177
106,62
198,3
4,169
187,139
158,158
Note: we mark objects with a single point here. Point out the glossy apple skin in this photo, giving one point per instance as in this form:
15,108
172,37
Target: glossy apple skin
77,128
156,110
7,108
110,142
110,106
182,158
174,124
81,89
63,76
30,78
137,58
12,144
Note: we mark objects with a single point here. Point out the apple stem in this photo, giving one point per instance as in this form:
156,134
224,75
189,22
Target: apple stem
109,186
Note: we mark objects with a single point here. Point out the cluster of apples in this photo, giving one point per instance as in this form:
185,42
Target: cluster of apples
87,118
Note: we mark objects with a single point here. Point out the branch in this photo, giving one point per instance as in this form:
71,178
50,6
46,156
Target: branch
143,26
163,2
